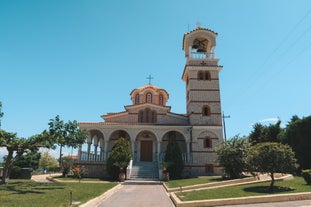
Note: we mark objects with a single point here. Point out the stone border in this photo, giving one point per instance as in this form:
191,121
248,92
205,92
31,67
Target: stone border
241,200
96,201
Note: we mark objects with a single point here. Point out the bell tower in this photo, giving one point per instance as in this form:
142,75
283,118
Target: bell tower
201,74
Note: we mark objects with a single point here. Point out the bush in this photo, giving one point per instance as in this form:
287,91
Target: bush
306,174
173,157
119,158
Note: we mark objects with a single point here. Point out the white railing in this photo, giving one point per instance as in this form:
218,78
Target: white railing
202,55
92,157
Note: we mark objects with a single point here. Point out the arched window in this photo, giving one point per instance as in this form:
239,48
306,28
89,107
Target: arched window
153,117
206,111
200,75
161,100
207,76
147,116
207,143
141,116
137,98
149,98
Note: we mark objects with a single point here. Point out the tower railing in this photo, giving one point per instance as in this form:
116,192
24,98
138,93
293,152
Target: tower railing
202,55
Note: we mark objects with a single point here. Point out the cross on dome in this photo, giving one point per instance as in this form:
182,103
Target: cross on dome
150,78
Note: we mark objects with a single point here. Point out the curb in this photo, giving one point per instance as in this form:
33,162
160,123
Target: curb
241,200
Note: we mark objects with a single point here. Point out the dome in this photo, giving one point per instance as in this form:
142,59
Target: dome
149,94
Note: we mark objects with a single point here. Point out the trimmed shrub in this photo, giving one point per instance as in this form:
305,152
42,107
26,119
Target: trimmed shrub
119,158
306,174
173,158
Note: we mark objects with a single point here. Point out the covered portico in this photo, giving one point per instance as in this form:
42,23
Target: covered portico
148,143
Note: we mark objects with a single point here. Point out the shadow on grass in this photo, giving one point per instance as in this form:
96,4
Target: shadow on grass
19,187
267,190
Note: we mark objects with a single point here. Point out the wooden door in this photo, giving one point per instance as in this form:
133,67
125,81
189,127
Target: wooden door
146,151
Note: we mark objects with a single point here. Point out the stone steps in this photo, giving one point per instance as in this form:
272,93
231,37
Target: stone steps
144,171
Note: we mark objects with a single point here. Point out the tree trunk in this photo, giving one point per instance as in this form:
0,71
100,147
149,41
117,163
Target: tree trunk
7,166
60,157
272,182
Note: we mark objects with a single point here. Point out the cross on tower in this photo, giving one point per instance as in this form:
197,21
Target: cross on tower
203,63
150,78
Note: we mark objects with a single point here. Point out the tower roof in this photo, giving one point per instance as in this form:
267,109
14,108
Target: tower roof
197,30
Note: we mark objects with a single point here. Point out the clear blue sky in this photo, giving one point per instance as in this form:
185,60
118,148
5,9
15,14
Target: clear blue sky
81,59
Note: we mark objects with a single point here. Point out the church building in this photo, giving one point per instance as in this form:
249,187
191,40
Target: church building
148,123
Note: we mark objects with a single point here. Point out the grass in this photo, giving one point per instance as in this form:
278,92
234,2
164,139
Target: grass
192,181
24,193
295,185
71,178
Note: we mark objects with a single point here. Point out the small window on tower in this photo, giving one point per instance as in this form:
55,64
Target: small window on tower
209,168
208,143
206,111
200,75
207,76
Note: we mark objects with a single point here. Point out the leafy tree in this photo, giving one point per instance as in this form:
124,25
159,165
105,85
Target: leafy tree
47,161
263,133
173,157
298,136
271,158
65,134
232,156
119,158
16,145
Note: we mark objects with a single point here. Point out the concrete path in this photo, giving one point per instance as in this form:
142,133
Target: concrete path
42,178
138,195
302,203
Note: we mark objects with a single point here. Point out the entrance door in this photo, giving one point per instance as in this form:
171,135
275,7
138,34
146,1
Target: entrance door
146,151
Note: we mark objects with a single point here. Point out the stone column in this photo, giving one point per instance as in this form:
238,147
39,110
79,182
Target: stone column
188,152
105,150
101,153
159,149
95,152
79,152
133,150
88,151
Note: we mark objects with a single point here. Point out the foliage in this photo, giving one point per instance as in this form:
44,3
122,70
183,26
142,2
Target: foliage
65,134
173,157
119,158
79,171
306,174
1,113
67,165
28,193
232,156
263,133
28,159
271,157
298,136
19,146
47,161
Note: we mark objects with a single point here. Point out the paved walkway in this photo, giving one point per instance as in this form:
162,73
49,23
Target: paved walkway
138,195
42,178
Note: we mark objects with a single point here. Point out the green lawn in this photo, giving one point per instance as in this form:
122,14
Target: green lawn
26,193
295,185
192,181
70,178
